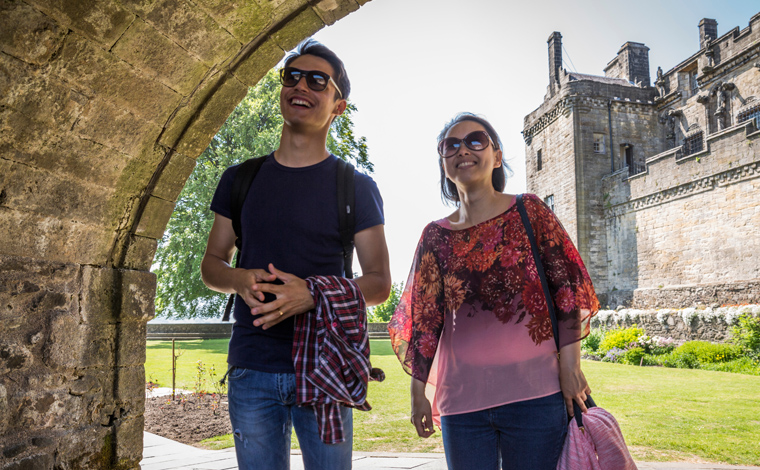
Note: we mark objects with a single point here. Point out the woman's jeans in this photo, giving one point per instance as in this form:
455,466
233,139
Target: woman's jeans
526,435
263,412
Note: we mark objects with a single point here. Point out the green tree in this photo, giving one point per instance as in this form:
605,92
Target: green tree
384,311
252,130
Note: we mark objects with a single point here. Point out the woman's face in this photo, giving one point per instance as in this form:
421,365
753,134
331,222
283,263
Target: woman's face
470,169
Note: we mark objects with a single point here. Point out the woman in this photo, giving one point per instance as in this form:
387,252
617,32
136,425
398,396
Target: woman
474,303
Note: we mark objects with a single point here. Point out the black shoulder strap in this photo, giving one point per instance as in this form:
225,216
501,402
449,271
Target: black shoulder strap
346,216
539,267
549,302
241,184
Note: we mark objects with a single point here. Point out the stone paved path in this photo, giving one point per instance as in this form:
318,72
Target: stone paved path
160,453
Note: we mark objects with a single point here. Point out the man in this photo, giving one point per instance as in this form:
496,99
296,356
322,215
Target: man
290,232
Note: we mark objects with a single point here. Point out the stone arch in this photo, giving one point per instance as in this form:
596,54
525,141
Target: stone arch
104,106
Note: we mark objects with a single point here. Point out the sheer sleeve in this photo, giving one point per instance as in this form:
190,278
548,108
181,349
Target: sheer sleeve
569,282
416,325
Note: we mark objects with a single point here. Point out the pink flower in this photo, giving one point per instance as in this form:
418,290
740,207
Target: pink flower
427,345
565,299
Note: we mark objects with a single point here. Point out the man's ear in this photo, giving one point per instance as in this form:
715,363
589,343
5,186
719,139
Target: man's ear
340,107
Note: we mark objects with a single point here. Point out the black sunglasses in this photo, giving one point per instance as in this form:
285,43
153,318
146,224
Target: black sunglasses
476,140
316,80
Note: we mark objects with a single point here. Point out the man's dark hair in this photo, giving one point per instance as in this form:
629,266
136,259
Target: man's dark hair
317,49
449,193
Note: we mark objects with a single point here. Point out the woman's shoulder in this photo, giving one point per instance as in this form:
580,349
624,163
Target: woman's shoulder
534,204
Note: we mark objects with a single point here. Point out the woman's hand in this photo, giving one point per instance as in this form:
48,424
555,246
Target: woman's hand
422,412
571,379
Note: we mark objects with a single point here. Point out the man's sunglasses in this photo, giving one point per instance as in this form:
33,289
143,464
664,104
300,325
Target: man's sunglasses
476,140
316,80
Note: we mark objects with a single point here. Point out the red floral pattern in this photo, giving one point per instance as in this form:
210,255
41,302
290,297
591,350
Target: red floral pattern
489,267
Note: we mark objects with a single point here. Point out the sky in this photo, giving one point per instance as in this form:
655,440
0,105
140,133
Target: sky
415,64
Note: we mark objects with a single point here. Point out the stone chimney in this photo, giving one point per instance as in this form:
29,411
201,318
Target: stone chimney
555,60
631,63
708,29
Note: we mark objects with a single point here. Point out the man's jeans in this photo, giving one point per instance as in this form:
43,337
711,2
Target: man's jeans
526,435
263,412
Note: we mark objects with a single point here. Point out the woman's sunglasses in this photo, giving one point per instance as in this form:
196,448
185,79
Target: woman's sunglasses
316,80
476,140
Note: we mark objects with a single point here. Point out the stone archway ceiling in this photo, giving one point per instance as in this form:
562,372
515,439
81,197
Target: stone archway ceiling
104,106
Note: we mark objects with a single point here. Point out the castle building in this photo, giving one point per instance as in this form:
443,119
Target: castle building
658,184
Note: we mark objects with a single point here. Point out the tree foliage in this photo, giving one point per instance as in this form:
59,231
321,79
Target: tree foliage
252,130
384,311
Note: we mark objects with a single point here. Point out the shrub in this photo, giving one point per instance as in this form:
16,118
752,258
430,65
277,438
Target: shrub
680,360
693,354
746,334
742,365
620,338
591,343
633,356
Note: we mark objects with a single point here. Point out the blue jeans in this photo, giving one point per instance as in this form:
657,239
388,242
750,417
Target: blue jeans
263,412
526,435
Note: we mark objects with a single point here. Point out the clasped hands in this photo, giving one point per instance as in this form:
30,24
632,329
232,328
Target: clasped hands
292,296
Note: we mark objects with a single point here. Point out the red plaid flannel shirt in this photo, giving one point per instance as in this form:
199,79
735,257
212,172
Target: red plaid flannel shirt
331,353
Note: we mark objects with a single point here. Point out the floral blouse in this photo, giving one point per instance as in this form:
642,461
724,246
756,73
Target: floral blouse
474,303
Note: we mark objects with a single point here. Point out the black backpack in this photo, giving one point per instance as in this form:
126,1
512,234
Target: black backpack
241,184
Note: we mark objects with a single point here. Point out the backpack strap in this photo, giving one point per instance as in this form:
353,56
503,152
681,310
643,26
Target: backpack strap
346,214
241,184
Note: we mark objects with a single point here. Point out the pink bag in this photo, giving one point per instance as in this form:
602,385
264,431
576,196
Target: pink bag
597,444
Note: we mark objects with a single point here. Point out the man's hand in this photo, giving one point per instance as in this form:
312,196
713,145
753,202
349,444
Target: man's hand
293,298
246,279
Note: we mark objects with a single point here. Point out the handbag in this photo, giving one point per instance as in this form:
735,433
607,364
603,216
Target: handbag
594,441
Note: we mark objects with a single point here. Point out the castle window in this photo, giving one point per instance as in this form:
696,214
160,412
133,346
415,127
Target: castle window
599,143
693,81
549,200
693,143
539,161
749,114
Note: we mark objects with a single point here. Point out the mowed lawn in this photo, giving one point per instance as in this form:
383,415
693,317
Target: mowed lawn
665,414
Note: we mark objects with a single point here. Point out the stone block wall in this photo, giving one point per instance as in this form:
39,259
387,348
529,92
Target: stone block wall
71,358
687,324
104,107
687,222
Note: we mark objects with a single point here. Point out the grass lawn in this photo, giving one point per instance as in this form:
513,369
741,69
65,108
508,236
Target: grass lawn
665,414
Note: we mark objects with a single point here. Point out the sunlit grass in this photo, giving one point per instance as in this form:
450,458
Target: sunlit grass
665,414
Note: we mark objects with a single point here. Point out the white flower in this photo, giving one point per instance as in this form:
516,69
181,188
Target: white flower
622,315
604,315
688,315
662,315
708,314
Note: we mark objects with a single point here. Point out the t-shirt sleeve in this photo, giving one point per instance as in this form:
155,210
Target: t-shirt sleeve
416,326
569,282
369,203
221,203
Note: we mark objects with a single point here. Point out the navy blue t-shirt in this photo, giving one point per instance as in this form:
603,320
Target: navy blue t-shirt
289,219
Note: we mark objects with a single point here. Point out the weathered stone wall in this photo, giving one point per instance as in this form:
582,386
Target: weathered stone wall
689,221
557,174
181,330
104,107
671,221
71,359
689,324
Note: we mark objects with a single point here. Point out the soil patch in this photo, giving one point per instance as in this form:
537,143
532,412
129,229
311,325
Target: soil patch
188,418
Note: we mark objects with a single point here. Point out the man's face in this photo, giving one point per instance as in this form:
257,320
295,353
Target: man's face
305,108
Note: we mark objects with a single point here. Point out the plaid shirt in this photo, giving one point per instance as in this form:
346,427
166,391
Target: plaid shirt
331,353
